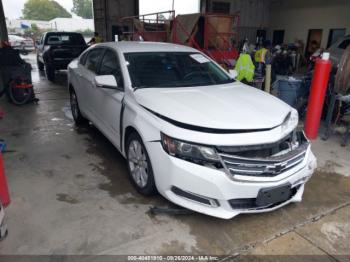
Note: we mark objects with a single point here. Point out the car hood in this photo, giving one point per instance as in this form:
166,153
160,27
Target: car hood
232,106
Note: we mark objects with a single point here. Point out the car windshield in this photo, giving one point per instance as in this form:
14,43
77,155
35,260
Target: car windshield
173,69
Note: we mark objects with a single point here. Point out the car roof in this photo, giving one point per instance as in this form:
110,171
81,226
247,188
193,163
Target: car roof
138,46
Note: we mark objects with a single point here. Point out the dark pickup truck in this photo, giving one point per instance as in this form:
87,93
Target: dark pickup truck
57,49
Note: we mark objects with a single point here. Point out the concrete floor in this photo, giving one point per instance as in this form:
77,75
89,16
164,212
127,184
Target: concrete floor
71,195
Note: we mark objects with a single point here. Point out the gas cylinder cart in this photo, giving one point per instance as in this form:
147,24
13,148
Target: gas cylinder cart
15,77
3,227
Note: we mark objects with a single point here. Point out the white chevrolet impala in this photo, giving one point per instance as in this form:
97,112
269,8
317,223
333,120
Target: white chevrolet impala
190,131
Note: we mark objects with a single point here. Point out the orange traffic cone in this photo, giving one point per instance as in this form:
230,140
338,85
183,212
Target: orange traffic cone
4,192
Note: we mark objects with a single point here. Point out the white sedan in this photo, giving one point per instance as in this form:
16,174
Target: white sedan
190,131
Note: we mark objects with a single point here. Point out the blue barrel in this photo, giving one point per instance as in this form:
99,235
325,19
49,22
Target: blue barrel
288,89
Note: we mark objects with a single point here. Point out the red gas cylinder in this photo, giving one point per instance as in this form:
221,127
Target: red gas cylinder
317,95
4,192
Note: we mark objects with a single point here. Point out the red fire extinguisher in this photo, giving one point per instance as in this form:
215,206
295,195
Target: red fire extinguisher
317,95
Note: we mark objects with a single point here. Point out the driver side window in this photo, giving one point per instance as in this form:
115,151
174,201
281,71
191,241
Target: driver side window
110,66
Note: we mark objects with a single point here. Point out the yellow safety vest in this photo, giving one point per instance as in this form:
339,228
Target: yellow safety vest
98,39
260,55
245,68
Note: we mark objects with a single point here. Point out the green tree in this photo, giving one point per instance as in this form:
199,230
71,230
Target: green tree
33,32
82,8
34,27
43,10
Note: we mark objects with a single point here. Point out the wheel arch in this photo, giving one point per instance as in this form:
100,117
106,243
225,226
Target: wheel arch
137,119
127,132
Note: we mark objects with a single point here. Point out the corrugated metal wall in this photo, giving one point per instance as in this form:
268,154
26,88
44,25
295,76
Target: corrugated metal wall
254,15
107,13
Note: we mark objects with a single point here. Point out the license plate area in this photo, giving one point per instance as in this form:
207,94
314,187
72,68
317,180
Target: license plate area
273,195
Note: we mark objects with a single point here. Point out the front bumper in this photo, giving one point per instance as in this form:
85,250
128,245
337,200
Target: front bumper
218,187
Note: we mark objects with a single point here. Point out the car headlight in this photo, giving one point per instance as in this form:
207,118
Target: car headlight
291,120
191,152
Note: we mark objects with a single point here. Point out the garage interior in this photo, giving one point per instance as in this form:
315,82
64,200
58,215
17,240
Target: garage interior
69,186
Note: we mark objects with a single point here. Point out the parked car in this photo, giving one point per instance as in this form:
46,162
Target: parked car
24,45
57,49
189,130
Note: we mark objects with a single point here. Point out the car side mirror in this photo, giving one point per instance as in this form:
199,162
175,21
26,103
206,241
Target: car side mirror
233,73
106,81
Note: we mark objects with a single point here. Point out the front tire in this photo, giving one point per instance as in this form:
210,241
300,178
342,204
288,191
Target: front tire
77,116
139,166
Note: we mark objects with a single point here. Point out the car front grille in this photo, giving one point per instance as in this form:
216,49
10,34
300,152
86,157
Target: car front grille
250,203
265,160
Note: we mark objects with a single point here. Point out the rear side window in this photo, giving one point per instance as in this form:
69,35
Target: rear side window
92,59
65,39
344,44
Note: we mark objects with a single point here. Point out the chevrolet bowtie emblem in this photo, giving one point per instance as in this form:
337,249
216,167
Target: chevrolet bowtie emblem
277,168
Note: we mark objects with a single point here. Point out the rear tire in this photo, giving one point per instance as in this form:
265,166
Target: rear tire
50,73
139,166
77,116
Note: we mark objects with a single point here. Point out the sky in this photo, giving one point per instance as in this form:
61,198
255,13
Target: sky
13,8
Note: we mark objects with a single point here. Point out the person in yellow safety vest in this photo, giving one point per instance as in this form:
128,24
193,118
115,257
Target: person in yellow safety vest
260,55
263,55
245,68
95,40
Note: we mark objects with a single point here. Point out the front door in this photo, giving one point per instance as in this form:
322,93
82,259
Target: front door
108,102
88,71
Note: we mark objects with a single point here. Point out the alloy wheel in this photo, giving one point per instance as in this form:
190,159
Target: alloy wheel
138,164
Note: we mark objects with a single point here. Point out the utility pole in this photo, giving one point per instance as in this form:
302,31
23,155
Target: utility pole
3,29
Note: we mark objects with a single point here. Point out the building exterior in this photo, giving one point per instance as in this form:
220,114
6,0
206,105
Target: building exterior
72,24
18,26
